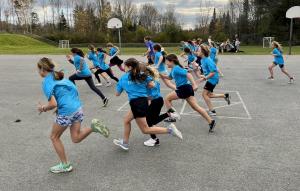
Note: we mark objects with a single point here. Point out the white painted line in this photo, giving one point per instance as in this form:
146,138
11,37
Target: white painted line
232,104
218,116
120,108
244,105
183,107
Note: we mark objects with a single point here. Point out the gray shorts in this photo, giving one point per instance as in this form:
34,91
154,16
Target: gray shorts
66,121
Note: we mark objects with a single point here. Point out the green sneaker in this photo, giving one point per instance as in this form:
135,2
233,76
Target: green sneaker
98,127
61,168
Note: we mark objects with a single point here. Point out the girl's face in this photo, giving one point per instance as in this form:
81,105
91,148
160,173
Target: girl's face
42,73
109,47
154,50
170,64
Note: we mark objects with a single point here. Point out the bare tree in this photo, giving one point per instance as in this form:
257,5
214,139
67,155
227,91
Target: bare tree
149,16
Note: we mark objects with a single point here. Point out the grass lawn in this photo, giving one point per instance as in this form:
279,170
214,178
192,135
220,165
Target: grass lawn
19,44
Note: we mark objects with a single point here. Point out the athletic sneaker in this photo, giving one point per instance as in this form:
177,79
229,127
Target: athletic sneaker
108,84
227,98
175,115
292,80
212,113
98,127
152,142
212,125
170,120
270,78
61,168
105,102
174,131
98,84
120,143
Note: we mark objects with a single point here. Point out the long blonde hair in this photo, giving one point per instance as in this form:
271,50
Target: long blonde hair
149,71
277,45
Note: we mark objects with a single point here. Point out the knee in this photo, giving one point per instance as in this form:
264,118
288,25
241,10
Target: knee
75,140
54,137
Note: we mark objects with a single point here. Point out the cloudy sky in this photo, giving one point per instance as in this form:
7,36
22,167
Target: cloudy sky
187,10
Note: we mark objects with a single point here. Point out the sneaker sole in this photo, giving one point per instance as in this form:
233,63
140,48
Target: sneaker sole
155,145
103,130
124,148
70,169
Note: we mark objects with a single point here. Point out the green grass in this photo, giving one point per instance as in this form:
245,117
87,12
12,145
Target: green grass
20,44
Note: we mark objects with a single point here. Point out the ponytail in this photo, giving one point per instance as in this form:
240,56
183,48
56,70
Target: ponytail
48,65
135,72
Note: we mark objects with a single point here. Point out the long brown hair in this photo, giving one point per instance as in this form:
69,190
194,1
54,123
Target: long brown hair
135,72
173,58
48,65
78,52
277,45
205,50
149,71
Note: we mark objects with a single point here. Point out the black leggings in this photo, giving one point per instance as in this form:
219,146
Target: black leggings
89,81
109,73
153,114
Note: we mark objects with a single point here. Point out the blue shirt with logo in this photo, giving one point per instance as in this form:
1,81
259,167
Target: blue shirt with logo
179,75
65,93
85,71
208,67
133,89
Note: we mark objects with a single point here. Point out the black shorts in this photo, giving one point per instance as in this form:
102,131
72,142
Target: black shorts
280,65
185,91
139,107
116,61
209,87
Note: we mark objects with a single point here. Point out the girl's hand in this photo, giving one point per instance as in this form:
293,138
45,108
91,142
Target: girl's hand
40,108
68,57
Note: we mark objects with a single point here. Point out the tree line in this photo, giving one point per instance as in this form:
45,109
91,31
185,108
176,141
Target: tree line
83,21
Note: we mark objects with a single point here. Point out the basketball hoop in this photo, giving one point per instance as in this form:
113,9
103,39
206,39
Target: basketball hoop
115,23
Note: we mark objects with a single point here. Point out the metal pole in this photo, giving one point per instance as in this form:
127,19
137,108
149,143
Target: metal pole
291,36
120,39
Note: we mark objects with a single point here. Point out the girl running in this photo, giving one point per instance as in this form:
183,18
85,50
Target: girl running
156,103
63,95
159,64
192,62
211,77
83,72
213,56
114,59
92,56
136,84
185,90
103,67
278,60
150,52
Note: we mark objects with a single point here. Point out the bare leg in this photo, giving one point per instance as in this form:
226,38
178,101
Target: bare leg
127,126
77,134
206,97
142,123
271,70
212,95
56,132
285,72
193,103
170,97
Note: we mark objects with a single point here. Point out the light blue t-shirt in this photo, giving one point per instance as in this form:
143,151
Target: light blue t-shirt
93,57
278,58
213,53
65,93
154,92
192,47
85,68
112,51
101,60
162,66
179,75
133,89
209,66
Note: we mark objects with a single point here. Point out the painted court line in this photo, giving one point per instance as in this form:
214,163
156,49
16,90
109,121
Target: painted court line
244,105
120,108
218,116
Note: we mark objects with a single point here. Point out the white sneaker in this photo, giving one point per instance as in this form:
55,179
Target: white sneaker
98,84
108,84
175,115
291,81
212,113
175,132
151,142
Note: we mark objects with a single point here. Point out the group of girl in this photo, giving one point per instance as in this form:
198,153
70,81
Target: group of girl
141,83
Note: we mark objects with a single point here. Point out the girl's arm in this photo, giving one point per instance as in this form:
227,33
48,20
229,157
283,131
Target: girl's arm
165,76
151,85
118,50
81,64
159,61
70,59
209,75
191,79
52,104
